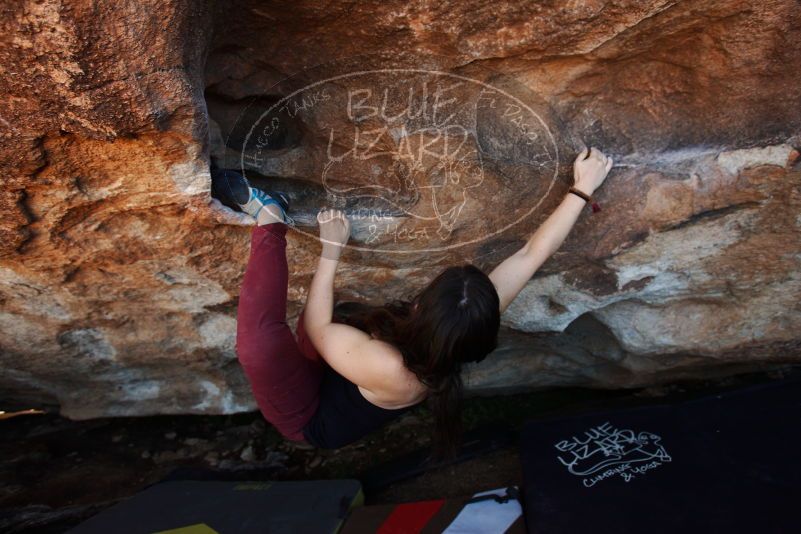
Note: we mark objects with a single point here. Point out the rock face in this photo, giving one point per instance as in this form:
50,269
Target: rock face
447,131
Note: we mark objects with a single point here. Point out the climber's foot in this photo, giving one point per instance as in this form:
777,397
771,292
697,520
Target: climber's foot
234,191
269,214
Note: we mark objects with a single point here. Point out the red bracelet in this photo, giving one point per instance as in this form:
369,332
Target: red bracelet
586,197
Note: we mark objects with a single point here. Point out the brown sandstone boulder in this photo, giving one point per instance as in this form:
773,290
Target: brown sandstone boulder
119,274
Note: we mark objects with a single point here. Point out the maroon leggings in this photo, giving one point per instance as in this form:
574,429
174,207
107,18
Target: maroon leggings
285,374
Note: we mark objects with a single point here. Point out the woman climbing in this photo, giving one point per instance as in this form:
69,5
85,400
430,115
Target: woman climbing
353,367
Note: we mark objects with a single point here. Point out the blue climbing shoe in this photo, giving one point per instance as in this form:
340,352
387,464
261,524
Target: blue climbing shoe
234,191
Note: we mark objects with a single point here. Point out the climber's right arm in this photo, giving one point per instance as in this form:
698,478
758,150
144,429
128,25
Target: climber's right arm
513,273
511,276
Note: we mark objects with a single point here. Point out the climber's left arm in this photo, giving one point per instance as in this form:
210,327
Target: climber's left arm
334,235
346,349
349,351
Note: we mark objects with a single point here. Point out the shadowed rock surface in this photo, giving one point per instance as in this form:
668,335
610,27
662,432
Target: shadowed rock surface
119,273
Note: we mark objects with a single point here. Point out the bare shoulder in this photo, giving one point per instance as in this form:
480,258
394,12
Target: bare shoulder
398,386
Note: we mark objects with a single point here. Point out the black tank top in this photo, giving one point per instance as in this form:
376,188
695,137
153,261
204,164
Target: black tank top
344,415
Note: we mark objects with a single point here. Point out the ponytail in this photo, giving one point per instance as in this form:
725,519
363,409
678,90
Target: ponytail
445,402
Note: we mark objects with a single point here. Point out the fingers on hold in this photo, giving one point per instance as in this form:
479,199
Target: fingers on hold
582,155
609,164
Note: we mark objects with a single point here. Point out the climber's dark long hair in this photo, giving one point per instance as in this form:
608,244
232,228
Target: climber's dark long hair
453,320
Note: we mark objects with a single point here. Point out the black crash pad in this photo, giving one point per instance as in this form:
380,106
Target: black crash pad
722,463
207,507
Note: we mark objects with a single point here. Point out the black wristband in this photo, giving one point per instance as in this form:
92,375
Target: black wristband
582,194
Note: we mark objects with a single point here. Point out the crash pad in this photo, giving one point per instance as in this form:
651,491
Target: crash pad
728,462
222,507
